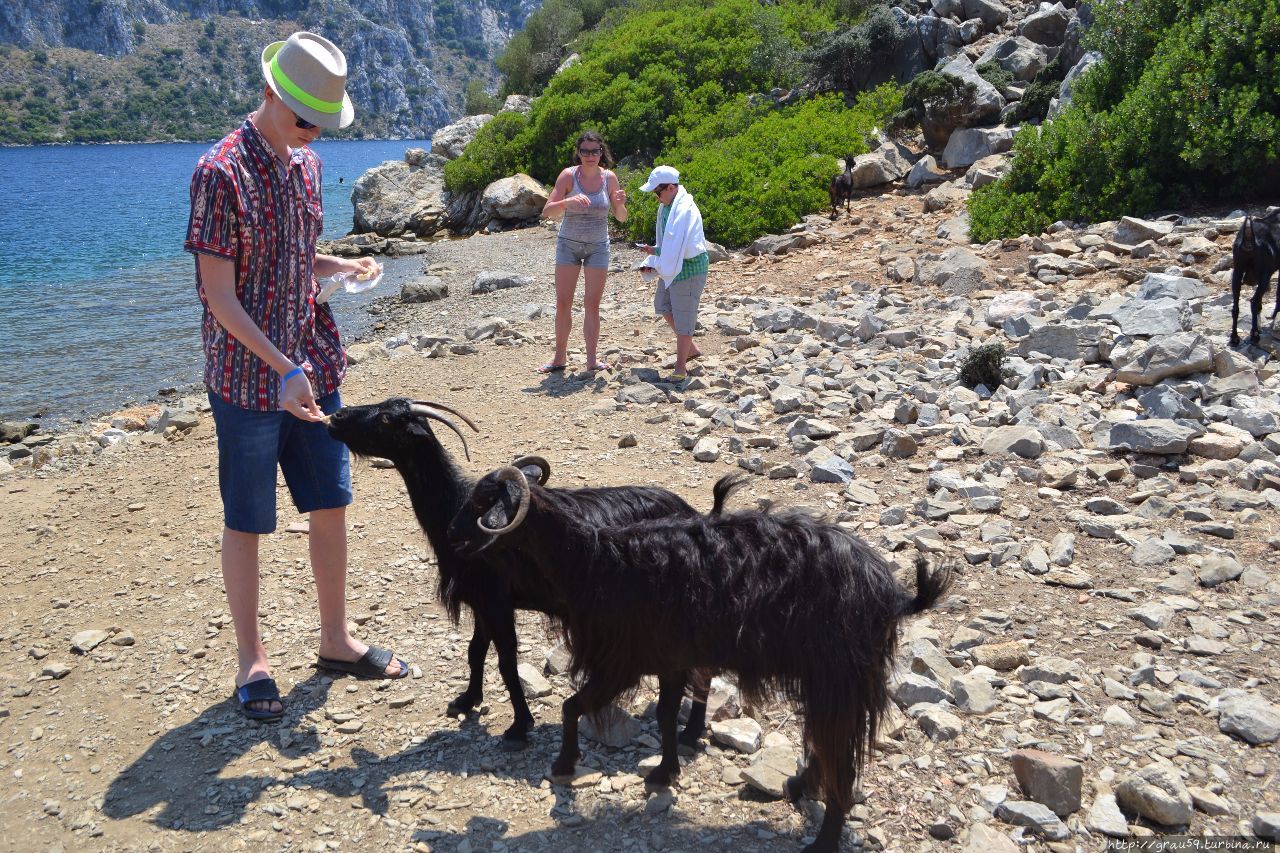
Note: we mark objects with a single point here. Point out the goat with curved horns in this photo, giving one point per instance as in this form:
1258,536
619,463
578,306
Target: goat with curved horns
794,605
492,585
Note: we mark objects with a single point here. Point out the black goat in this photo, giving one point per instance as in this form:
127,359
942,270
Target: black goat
792,604
494,585
841,188
1255,256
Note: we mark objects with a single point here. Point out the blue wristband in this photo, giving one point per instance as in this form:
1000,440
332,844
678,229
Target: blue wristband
292,373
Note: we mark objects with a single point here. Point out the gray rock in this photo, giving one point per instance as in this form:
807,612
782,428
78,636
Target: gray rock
991,12
449,141
1169,356
897,444
886,163
912,688
1250,717
967,145
84,642
1052,339
1133,230
1105,817
1021,57
1082,65
1266,825
925,171
516,198
395,198
1047,26
743,734
615,728
1219,568
1151,317
831,470
1036,817
989,101
1013,440
1158,285
938,723
1049,779
641,394
1152,552
427,289
532,681
489,281
1149,436
12,432
1157,793
770,770
974,694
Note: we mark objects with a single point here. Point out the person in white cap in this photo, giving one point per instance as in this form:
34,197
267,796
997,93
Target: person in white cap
273,355
679,254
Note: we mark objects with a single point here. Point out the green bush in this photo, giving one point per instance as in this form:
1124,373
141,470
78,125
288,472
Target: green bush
984,365
772,171
995,74
496,152
480,102
1184,105
851,58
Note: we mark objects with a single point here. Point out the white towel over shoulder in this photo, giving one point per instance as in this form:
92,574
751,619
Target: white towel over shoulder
680,240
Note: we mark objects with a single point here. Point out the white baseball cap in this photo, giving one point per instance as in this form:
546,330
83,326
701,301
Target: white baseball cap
660,175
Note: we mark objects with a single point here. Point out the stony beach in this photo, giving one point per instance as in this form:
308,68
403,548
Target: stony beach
1104,668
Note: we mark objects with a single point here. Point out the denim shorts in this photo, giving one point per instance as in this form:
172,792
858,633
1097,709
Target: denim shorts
573,253
680,300
317,467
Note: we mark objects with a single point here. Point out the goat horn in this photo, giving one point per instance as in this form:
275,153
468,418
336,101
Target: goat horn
442,407
427,410
510,474
538,462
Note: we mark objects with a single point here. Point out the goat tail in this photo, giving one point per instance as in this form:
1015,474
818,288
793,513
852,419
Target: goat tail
724,488
930,586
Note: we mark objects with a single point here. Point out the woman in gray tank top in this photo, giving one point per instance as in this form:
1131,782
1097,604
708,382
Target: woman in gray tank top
585,194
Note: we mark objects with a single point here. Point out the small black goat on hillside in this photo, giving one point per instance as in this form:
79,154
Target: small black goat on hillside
792,604
1255,256
492,585
841,188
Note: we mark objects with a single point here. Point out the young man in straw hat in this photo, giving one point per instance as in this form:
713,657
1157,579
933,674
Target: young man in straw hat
273,356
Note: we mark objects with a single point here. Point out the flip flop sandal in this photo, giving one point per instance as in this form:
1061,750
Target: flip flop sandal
552,368
599,365
373,665
676,378
262,690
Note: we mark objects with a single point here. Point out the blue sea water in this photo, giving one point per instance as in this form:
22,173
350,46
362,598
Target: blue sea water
97,299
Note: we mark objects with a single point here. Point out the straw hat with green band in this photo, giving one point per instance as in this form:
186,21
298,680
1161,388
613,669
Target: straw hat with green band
309,74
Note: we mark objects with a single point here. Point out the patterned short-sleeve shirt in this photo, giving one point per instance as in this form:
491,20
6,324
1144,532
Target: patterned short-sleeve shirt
265,215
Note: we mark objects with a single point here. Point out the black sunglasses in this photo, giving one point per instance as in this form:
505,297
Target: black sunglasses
301,123
590,152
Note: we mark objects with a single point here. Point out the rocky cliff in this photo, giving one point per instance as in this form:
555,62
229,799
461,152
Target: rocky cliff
409,59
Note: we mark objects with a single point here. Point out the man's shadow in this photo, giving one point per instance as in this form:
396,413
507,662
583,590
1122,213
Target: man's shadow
567,383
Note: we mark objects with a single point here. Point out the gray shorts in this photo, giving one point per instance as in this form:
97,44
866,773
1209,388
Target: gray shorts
573,253
680,300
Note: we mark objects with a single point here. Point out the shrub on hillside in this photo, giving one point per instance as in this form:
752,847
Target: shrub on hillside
532,55
1185,104
767,168
480,102
852,58
496,152
937,103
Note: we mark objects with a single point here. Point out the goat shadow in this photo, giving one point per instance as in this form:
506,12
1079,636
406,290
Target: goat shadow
612,827
181,770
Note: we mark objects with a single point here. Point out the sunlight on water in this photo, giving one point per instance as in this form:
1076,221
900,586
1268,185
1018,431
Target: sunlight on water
97,298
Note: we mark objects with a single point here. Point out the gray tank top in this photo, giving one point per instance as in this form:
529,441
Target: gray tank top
592,224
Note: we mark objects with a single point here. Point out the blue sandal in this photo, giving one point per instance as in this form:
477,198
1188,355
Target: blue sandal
373,665
262,690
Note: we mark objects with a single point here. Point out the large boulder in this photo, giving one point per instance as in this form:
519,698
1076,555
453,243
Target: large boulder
988,102
1168,356
1060,103
1048,26
910,58
993,13
968,145
518,104
958,271
450,140
886,163
1020,56
517,198
398,197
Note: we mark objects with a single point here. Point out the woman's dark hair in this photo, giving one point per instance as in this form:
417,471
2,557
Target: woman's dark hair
606,156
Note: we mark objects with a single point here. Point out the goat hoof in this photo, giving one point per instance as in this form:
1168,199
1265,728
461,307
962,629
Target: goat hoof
563,770
795,789
460,706
659,777
515,743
